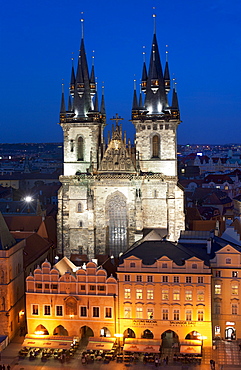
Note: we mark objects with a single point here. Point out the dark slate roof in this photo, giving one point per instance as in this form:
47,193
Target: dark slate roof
150,251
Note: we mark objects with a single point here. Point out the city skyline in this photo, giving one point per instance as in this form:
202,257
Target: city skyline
38,41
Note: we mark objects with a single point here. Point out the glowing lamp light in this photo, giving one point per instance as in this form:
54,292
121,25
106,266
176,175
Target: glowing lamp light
118,335
39,332
28,199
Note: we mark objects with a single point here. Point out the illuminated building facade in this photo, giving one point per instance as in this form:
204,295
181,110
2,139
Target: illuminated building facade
226,315
72,304
113,193
165,294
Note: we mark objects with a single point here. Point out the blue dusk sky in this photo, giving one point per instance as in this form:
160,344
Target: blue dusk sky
38,38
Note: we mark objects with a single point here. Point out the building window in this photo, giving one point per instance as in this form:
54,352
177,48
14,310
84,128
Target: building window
165,295
234,309
96,312
46,310
38,286
117,222
176,295
188,279
92,287
234,273
138,293
234,289
127,293
188,315
217,289
176,279
79,208
200,315
228,261
101,288
218,273
108,312
217,308
150,294
80,149
164,314
59,310
54,286
164,265
139,312
82,287
194,266
188,295
35,309
149,278
127,312
200,295
46,286
176,315
165,279
155,146
150,313
139,278
83,311
200,279
127,278
132,264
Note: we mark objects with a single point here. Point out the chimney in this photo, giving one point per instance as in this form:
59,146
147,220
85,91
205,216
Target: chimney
209,245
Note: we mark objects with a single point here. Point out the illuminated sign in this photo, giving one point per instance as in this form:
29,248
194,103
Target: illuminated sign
230,323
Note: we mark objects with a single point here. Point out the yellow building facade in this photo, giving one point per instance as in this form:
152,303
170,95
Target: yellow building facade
226,310
165,301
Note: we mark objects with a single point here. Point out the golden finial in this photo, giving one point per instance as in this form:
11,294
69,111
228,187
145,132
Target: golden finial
167,53
82,24
144,53
134,82
93,57
154,19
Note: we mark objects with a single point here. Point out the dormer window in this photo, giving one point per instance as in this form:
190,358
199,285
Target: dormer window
228,261
132,264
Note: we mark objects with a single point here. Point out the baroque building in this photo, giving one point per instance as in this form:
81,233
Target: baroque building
113,193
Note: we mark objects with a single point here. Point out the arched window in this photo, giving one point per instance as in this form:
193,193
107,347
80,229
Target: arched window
81,224
80,149
155,146
117,223
79,207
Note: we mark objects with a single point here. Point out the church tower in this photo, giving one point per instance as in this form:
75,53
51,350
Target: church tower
114,193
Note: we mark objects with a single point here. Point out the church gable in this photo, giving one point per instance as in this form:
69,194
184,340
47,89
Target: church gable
116,157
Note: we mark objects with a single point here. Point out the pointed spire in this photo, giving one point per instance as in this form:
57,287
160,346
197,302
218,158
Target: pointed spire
62,106
70,104
167,74
135,103
102,106
144,72
175,104
72,78
92,78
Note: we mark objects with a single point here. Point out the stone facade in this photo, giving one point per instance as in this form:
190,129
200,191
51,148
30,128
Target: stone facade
111,194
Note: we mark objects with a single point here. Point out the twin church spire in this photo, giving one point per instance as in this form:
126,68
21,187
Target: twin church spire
83,96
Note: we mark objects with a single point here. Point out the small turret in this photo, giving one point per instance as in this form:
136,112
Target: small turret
167,81
92,79
72,79
62,106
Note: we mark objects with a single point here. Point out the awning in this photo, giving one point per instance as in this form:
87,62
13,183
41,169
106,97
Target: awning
142,345
48,342
141,348
101,343
190,349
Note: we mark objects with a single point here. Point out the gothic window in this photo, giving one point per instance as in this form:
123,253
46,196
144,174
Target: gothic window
117,223
155,146
79,208
80,149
